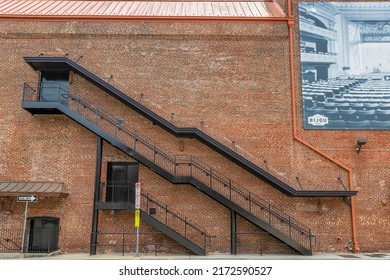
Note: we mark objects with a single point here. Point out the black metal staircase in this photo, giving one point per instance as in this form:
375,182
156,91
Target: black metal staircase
65,64
177,169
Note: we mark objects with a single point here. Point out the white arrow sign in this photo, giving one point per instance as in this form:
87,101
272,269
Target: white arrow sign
137,195
27,198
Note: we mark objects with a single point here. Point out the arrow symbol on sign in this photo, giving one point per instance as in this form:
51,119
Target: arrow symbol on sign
27,198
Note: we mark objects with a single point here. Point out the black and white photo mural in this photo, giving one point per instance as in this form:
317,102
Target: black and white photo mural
345,64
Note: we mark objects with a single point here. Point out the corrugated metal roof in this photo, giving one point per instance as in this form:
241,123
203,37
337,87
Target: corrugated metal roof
46,189
138,10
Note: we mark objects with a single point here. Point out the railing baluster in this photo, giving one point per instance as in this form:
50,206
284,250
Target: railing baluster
230,189
135,140
77,104
123,244
197,174
166,214
269,213
24,91
250,202
185,227
191,165
261,246
211,178
97,116
174,166
49,243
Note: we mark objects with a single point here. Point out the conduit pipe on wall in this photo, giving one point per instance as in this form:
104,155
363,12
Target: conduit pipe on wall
290,23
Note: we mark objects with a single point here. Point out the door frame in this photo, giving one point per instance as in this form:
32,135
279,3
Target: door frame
123,193
36,241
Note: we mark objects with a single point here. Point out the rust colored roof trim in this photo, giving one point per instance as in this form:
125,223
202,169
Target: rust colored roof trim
147,18
171,10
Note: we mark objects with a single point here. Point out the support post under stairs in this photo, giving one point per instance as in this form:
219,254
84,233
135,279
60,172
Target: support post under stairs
96,198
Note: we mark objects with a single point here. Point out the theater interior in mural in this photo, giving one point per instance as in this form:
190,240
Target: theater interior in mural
345,65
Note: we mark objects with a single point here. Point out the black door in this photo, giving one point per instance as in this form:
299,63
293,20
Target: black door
121,179
55,87
43,236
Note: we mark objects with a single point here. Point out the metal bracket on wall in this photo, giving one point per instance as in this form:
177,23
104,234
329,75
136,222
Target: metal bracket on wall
347,200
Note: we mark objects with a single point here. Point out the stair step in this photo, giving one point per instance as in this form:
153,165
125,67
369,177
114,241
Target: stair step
195,172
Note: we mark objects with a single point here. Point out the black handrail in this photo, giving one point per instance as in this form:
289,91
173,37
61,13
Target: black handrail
196,169
9,239
39,63
34,93
200,165
2,243
120,192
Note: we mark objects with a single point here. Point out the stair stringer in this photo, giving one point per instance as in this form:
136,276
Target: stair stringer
173,179
159,225
64,63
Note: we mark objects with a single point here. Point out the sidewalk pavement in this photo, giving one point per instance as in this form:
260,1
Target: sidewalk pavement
83,256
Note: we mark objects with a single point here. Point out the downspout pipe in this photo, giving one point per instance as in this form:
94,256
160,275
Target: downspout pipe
290,24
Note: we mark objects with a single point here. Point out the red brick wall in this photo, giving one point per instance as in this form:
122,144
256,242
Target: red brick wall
232,80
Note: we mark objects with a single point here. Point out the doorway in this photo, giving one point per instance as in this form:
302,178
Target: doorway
43,234
121,179
55,87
